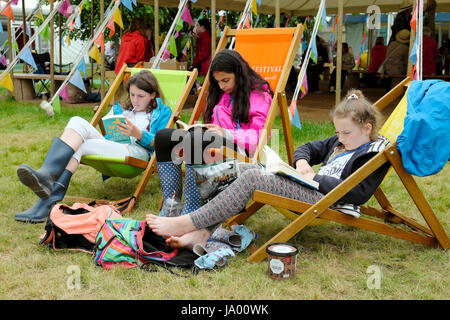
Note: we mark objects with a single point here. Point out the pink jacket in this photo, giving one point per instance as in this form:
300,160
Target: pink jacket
247,135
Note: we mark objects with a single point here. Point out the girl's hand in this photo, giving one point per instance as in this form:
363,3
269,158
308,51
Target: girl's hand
304,168
129,129
214,128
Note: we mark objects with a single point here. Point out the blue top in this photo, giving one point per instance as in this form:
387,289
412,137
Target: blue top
159,118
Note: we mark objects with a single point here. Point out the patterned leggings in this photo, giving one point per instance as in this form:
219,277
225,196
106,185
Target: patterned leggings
235,197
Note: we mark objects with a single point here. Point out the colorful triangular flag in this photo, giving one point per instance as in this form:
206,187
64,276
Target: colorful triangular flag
314,53
82,67
15,46
45,33
94,53
413,55
293,114
14,2
77,81
3,60
101,42
26,56
254,7
186,16
118,18
7,83
64,93
304,87
413,22
127,3
66,8
111,26
8,12
39,15
172,47
56,105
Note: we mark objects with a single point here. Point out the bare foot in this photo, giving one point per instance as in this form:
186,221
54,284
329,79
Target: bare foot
170,226
188,240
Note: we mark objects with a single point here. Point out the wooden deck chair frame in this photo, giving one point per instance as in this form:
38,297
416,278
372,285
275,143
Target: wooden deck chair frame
127,205
432,235
279,101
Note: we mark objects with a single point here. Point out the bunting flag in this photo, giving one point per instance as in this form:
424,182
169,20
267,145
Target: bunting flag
77,81
293,114
413,22
166,55
111,27
8,12
39,15
127,3
77,21
57,105
323,19
172,47
304,87
413,55
26,56
314,53
66,8
68,40
94,53
7,83
64,93
247,23
254,7
72,25
101,42
82,67
3,60
118,18
45,33
15,46
186,16
1,28
14,2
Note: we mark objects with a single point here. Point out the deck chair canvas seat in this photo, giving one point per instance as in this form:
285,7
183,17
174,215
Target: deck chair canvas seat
270,52
432,234
175,86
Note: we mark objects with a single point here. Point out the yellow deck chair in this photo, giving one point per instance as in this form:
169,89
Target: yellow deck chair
431,235
270,52
175,86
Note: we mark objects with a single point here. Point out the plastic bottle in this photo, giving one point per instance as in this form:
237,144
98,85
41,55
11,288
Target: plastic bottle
172,207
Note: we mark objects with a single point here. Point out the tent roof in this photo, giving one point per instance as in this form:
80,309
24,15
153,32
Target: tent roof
302,7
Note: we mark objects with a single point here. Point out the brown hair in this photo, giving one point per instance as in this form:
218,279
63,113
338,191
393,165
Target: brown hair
359,109
145,80
138,24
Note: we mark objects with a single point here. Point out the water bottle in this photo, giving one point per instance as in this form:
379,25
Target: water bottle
172,207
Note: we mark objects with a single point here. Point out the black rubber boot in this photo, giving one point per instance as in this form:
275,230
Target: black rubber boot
41,209
41,180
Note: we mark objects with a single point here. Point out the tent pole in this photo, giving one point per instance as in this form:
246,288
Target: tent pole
339,50
10,49
92,34
102,54
60,44
412,37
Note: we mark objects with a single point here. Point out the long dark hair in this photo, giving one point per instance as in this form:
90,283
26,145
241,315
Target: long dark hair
246,80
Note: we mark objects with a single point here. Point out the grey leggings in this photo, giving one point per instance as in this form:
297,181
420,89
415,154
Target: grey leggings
234,198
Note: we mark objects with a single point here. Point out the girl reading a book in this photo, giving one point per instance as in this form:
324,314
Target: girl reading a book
237,105
145,114
356,141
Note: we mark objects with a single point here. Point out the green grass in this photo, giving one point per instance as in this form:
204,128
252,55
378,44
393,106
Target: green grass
333,260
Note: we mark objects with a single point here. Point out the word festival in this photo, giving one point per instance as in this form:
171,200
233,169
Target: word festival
226,310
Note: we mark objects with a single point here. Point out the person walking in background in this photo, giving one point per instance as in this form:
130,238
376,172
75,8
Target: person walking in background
202,57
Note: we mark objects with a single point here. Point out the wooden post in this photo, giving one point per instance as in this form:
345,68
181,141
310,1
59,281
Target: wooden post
156,31
92,35
339,50
277,13
213,27
52,53
102,54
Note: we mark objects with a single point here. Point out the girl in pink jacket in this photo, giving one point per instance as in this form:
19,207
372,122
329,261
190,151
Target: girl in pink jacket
237,105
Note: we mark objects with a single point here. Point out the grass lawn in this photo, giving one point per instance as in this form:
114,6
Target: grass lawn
334,261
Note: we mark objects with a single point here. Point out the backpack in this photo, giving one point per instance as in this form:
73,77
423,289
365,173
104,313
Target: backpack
131,243
76,227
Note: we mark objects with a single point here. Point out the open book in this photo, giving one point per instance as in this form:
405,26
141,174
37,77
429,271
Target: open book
111,124
276,165
188,127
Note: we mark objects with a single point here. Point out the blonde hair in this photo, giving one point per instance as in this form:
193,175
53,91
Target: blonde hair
360,110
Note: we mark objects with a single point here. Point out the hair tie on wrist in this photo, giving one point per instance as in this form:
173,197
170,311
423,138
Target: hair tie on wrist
352,96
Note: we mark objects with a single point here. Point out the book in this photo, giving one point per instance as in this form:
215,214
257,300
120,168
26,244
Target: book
188,127
111,124
276,165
